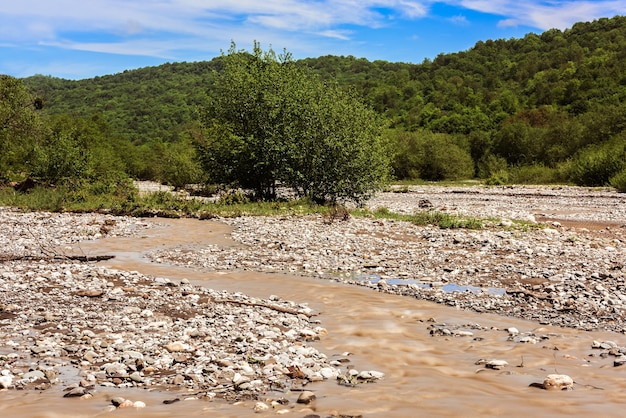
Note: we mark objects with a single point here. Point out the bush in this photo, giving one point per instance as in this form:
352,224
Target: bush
596,165
498,178
619,181
535,174
430,156
493,168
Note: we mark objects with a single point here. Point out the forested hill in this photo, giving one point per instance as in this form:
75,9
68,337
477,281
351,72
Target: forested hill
535,100
151,103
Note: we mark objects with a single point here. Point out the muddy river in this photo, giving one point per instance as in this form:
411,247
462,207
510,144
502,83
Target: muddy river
425,375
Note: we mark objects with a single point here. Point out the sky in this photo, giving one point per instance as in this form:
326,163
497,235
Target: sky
77,39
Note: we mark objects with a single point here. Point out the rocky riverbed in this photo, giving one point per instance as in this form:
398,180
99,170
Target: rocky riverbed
567,270
59,313
564,265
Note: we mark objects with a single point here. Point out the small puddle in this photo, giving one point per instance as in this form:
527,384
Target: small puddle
445,287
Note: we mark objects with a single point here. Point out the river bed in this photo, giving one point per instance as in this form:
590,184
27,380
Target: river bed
433,356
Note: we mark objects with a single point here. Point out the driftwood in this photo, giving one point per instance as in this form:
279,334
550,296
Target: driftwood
82,258
265,305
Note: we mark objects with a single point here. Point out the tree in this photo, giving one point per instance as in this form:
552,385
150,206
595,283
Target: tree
271,121
19,126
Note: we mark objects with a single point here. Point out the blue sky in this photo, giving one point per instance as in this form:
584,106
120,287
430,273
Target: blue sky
82,39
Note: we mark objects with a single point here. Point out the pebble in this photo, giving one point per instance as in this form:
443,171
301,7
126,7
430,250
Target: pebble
306,397
6,381
496,364
558,382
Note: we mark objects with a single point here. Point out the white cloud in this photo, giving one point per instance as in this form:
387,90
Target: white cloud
336,34
545,14
459,20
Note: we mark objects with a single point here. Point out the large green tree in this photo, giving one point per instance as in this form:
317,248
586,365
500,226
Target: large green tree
272,122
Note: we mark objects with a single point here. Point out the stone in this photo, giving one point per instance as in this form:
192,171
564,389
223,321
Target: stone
175,347
512,331
34,375
261,407
6,381
127,403
306,397
75,392
558,382
496,364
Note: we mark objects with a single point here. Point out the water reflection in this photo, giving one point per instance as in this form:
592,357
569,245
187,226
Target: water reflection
445,287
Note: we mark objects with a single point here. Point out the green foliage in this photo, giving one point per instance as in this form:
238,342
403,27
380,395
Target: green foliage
270,121
535,174
490,166
59,158
619,181
442,220
80,197
597,164
430,156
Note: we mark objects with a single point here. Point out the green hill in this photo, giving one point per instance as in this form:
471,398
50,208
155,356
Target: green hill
539,100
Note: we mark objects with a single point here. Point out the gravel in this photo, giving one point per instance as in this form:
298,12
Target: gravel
125,329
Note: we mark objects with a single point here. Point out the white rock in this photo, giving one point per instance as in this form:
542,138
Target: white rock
6,381
496,364
512,331
260,407
558,382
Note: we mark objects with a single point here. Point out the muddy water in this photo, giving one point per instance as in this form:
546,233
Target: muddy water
424,375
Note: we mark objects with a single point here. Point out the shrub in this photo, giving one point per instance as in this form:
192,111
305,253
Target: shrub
619,181
430,156
597,164
535,174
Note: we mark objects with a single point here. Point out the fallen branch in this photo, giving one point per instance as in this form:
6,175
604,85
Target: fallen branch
82,258
264,305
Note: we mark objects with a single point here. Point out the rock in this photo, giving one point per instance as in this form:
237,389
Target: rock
34,375
117,401
512,331
558,382
76,392
6,381
176,347
261,407
496,364
126,404
306,397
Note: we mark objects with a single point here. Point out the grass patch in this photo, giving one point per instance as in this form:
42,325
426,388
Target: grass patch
442,220
127,201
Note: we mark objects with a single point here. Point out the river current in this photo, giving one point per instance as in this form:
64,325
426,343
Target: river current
425,375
